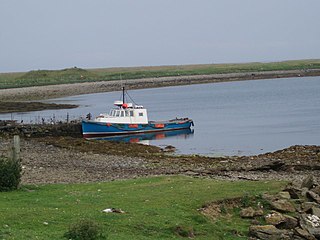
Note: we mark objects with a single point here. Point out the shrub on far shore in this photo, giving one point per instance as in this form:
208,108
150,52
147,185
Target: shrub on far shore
10,174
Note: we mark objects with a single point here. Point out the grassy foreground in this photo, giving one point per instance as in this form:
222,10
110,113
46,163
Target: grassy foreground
154,208
78,75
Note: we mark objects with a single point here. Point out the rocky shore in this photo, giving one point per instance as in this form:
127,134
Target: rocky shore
61,159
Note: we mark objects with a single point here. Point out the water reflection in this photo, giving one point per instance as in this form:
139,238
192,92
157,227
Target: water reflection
144,138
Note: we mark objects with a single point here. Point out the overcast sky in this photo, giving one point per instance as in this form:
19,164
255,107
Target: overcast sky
43,34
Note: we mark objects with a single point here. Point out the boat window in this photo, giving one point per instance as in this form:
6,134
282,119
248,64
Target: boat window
122,113
131,113
140,114
114,113
127,113
117,113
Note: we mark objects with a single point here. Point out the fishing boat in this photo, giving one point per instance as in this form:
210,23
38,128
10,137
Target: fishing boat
128,118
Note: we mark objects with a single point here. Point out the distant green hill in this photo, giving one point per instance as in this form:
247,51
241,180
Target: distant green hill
47,77
76,75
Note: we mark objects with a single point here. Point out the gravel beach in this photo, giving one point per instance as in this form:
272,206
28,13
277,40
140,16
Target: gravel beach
46,161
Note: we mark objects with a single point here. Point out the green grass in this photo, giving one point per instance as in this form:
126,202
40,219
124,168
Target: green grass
154,208
77,75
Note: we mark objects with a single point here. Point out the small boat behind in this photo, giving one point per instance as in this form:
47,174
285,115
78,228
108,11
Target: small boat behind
129,118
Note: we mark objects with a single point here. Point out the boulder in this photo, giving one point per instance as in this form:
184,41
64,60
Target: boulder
294,192
268,197
307,206
310,223
284,195
308,182
316,211
304,192
267,232
274,218
315,232
247,212
316,189
281,221
313,196
283,205
258,213
304,233
288,223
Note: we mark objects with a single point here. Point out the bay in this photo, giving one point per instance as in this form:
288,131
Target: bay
231,118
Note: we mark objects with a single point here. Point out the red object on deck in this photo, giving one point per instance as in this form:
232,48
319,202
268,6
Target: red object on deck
124,105
133,125
159,125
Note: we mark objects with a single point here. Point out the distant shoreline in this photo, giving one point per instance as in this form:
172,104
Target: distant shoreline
56,91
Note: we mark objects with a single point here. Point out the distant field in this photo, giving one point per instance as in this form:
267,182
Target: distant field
155,208
78,75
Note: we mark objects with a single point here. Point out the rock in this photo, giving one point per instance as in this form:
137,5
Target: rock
304,233
316,189
268,197
294,192
315,232
169,148
288,223
316,211
276,165
281,221
307,206
258,213
308,182
267,232
283,205
304,192
310,223
247,212
313,196
284,195
274,218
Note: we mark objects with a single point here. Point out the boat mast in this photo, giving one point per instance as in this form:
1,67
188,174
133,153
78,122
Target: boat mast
123,101
123,95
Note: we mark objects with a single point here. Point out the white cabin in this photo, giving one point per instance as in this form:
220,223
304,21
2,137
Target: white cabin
126,113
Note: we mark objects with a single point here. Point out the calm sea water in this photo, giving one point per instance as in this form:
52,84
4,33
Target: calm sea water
235,118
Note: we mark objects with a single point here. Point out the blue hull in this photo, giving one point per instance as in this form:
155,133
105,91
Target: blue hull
91,129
